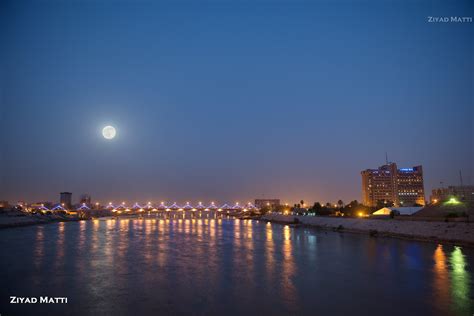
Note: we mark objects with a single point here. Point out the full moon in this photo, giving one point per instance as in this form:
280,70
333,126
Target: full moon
109,132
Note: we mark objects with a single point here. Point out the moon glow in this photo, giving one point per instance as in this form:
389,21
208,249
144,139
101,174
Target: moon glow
109,132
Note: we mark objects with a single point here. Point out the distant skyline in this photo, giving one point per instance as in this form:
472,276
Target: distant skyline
231,101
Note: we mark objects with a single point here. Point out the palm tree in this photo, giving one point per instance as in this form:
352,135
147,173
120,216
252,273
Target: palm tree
340,203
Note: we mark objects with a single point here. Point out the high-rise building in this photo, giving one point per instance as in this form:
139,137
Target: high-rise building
410,186
379,185
402,187
66,199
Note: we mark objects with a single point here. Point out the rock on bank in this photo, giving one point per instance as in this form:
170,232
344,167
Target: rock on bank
452,232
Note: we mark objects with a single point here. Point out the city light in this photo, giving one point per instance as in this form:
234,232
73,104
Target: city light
453,201
288,106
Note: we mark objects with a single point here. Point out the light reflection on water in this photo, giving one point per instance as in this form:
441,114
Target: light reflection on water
209,265
460,279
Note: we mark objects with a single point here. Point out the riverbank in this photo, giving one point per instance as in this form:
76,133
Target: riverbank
18,219
441,232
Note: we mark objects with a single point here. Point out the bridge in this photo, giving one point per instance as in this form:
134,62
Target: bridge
162,207
185,207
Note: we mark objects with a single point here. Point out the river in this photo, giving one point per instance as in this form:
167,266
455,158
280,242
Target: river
228,266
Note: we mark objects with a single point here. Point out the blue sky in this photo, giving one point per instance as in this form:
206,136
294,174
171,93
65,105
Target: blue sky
231,100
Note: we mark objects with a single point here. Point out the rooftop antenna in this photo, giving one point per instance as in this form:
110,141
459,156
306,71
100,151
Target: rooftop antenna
460,177
386,158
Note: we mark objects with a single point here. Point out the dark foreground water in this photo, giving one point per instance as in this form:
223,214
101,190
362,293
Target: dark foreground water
225,266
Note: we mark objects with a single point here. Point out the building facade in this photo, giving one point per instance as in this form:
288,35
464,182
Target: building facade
85,199
388,184
272,203
410,187
66,199
379,185
464,193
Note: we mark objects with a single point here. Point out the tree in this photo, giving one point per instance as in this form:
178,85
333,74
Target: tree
265,210
316,209
354,203
340,203
302,203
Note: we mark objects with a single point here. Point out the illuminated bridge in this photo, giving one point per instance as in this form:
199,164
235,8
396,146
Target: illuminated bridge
185,207
162,207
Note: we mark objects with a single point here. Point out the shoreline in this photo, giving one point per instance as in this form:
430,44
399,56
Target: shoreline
23,221
454,233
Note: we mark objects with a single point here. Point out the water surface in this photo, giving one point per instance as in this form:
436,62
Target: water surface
217,266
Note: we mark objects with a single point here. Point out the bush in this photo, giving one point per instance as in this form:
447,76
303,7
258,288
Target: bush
394,213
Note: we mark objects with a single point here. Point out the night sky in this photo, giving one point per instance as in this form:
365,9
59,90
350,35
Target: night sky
231,100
